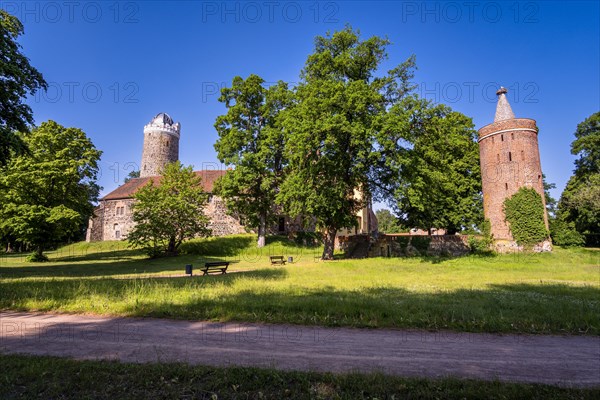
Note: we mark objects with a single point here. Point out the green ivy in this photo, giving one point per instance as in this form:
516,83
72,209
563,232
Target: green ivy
524,212
421,243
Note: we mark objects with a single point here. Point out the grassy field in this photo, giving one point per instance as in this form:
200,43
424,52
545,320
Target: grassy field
524,293
29,377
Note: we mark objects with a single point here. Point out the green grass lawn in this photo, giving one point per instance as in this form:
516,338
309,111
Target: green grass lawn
525,293
29,377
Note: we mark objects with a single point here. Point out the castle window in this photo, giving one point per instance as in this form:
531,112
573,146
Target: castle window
539,178
167,143
506,186
117,231
281,227
498,157
502,138
512,135
509,156
492,139
522,155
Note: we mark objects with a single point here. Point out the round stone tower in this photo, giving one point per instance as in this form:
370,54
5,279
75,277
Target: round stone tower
509,159
161,145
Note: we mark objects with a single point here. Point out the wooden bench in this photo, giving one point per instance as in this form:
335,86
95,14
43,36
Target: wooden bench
277,260
214,267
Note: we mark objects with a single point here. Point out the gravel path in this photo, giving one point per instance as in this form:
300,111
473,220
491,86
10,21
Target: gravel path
558,360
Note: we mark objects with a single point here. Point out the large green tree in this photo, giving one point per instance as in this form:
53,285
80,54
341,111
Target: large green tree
47,195
580,201
429,166
387,222
251,140
17,79
169,212
331,129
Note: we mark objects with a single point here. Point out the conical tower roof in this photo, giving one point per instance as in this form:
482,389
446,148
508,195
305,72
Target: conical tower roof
503,110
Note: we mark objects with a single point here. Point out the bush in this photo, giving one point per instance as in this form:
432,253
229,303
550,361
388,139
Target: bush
37,257
421,243
310,239
524,212
564,234
482,244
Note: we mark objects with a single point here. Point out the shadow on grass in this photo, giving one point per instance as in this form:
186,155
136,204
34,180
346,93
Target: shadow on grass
511,308
69,269
508,308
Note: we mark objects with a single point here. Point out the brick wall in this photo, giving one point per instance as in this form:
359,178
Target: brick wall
509,159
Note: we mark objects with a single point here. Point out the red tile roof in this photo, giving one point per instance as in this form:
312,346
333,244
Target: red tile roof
127,190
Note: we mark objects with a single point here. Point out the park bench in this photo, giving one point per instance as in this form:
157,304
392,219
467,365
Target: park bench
214,267
277,260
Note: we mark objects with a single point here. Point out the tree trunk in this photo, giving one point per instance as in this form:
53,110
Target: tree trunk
172,249
262,231
329,243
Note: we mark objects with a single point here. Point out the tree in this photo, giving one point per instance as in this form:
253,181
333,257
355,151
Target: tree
580,201
132,175
331,128
587,146
47,196
17,79
169,212
550,201
252,140
430,160
387,222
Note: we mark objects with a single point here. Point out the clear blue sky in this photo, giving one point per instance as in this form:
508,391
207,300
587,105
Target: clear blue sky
112,66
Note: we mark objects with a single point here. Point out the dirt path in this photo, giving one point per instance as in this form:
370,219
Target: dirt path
558,360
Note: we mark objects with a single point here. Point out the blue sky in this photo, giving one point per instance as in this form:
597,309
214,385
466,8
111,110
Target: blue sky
112,66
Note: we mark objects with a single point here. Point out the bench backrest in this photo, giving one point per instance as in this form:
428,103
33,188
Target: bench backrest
276,257
216,264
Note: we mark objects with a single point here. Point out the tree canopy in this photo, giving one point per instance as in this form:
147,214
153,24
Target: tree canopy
169,212
387,222
252,140
331,129
47,195
17,79
579,205
429,166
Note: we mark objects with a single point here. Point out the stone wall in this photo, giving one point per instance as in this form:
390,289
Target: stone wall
221,223
113,221
159,150
95,231
408,245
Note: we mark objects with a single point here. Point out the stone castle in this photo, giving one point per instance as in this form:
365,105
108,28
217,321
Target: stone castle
509,159
113,217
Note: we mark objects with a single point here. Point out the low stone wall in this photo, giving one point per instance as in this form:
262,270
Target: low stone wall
408,245
416,245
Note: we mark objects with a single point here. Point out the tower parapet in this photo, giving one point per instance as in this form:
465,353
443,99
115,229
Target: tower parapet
509,159
161,144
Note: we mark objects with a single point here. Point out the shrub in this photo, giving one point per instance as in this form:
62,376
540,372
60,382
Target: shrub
421,243
524,212
310,239
37,257
483,243
564,234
